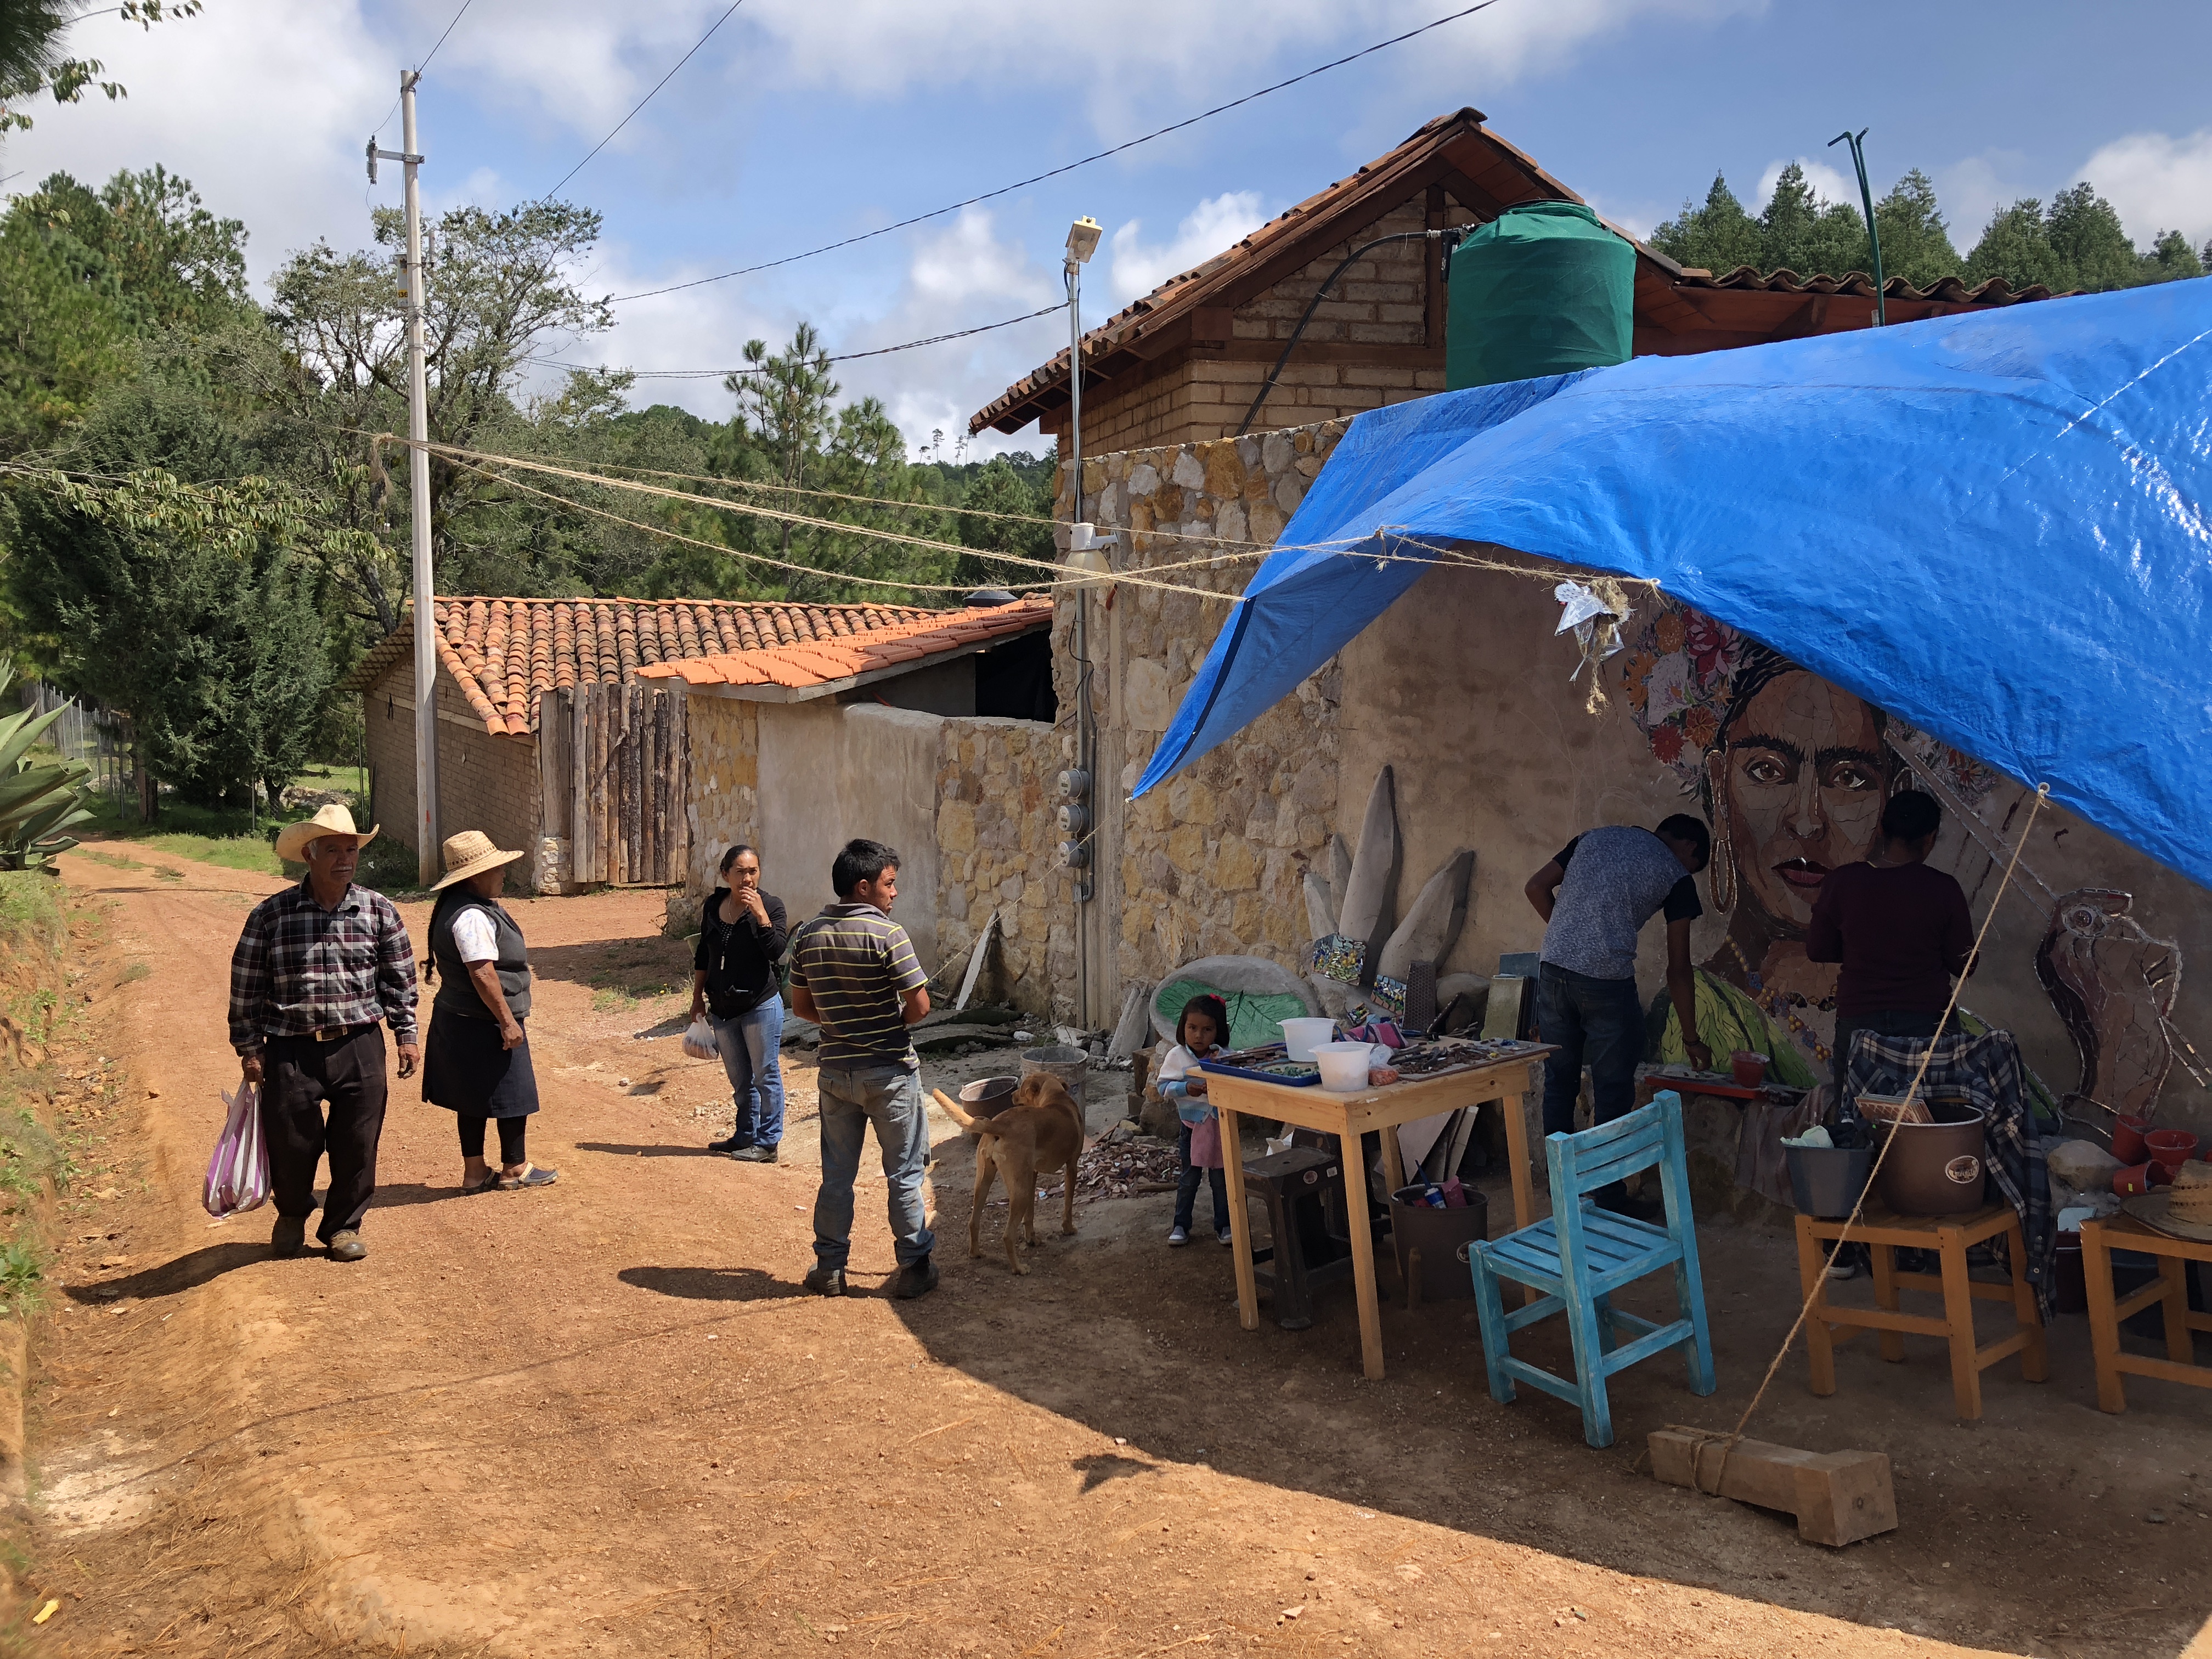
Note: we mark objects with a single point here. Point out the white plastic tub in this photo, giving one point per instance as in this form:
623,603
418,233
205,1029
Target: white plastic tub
1343,1066
1302,1036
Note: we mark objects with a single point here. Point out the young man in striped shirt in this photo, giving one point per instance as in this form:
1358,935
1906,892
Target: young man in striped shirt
854,973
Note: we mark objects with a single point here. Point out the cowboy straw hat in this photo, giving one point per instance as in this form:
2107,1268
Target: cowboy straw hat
470,853
2181,1211
332,820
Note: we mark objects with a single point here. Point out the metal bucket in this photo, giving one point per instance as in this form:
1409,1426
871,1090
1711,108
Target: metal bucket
1827,1181
1935,1168
1060,1059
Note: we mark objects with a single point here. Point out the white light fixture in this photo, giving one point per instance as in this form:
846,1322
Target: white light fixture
1086,556
1082,239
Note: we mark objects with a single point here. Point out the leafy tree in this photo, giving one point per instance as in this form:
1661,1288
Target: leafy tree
32,60
1719,236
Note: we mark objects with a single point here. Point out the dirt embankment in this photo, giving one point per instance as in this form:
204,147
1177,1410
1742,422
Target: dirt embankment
601,1419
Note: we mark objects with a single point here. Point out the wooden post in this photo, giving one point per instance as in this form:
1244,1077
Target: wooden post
679,725
1839,1497
633,778
648,763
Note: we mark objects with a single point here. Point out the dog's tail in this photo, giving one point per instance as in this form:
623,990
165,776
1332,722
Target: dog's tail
961,1116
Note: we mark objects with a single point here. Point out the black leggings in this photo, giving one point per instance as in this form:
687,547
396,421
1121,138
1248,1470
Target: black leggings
511,1132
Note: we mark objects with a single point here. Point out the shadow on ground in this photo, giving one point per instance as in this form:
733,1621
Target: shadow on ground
1116,1331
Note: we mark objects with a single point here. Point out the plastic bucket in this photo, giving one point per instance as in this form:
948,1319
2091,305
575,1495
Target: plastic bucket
1302,1036
1827,1181
989,1095
1343,1065
1934,1169
2128,1139
1441,1237
2170,1149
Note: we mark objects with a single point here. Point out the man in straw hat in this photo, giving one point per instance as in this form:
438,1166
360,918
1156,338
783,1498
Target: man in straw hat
316,967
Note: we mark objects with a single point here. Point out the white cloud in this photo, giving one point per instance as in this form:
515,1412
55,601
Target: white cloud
2157,183
1971,190
263,104
1829,183
1211,228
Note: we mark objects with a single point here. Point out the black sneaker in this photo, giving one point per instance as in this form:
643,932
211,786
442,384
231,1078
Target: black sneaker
727,1144
826,1280
290,1235
754,1154
915,1278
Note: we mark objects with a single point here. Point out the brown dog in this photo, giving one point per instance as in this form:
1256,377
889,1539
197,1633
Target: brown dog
1041,1130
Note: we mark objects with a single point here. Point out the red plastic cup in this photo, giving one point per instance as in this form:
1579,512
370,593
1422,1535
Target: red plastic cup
2170,1149
2128,1134
2134,1178
1749,1069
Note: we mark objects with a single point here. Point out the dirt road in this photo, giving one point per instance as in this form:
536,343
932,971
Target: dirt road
601,1418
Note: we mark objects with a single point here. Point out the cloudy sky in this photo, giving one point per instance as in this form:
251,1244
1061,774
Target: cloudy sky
804,121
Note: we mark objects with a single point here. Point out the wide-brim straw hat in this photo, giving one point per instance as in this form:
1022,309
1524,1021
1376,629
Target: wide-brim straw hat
2181,1211
332,820
470,853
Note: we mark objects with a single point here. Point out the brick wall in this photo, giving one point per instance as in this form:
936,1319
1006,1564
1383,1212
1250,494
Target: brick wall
484,782
1367,345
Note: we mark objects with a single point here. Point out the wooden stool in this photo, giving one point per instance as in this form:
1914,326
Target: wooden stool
2123,1232
1950,1236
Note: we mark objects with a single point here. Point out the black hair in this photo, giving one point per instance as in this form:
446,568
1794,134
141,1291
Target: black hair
1911,814
857,861
1683,827
1214,1008
730,858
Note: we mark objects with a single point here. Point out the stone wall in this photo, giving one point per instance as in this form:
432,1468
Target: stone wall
725,804
1214,862
997,841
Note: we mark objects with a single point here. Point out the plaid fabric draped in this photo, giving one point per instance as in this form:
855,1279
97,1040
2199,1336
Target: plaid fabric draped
1985,1073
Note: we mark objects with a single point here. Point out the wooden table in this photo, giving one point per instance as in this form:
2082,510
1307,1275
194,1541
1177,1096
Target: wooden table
1349,1115
1950,1236
2123,1232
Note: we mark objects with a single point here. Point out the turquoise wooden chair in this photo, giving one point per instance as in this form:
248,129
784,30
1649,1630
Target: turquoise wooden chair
1582,1254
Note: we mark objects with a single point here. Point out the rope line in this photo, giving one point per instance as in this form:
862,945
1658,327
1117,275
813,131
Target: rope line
841,357
2042,795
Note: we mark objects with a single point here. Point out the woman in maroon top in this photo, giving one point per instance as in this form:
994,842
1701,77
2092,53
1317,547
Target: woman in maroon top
1900,930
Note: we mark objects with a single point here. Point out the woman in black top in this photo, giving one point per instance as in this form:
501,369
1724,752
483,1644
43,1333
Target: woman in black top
734,982
477,1063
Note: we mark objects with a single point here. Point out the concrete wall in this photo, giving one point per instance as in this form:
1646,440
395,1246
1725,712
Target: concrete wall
1463,689
967,802
484,782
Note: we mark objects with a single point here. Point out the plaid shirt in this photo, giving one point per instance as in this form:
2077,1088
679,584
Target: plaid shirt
299,968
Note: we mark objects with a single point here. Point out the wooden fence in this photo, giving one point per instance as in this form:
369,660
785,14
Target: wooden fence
613,766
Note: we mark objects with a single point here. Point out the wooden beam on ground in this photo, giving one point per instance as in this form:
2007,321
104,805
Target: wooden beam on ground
975,961
1839,1497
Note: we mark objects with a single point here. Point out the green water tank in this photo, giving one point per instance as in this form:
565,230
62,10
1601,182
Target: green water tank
1544,289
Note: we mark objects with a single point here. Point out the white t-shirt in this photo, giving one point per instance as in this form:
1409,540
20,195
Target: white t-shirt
475,937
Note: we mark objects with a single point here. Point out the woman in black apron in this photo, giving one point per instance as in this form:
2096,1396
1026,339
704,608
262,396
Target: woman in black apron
477,1061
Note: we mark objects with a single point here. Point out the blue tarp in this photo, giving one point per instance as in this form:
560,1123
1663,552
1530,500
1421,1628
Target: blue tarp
1996,525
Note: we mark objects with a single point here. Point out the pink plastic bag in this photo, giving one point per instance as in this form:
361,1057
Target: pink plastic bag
237,1174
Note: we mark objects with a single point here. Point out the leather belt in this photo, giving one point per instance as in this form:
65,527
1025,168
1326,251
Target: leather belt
331,1033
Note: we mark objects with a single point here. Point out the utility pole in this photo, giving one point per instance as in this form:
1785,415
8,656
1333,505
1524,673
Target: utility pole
1078,815
418,491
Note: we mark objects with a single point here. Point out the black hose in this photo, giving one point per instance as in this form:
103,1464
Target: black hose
1321,293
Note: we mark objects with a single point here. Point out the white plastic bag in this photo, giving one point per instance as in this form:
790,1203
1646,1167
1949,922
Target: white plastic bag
237,1174
699,1040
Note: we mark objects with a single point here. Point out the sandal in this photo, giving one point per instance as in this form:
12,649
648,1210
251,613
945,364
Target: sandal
531,1175
488,1184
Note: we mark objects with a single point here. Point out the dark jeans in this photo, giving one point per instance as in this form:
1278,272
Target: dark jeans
1888,1022
298,1075
1186,1189
1597,1023
512,1133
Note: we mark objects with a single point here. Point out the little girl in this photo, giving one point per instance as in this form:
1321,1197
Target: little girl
1199,1032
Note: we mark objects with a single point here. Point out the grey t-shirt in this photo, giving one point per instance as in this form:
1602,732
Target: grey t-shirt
1616,877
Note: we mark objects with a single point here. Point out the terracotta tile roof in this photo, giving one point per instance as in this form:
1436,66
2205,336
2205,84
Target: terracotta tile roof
800,667
1486,175
500,652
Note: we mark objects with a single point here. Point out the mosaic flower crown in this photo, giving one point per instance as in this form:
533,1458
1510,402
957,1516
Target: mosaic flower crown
1677,679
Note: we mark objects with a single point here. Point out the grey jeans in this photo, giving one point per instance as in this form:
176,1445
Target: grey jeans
889,1096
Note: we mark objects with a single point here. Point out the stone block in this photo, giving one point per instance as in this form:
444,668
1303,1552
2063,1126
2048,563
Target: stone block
1188,472
1147,696
956,827
1301,441
1234,867
1229,522
1186,846
1224,470
1275,453
1288,492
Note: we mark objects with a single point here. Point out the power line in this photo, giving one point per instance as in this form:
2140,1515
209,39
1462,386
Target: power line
425,63
647,99
841,357
1004,190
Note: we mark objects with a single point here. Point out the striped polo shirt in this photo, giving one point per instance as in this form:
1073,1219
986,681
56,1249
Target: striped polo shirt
858,964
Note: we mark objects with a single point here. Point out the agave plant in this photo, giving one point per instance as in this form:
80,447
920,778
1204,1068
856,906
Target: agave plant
37,801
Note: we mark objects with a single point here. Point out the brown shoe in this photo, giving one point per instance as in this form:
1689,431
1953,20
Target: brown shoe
347,1246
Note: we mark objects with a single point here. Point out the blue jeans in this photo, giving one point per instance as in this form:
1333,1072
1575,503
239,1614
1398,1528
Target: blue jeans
889,1096
751,1046
1186,1189
1596,1023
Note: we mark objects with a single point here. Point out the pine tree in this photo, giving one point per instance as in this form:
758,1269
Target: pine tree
2016,246
2172,258
1916,243
2093,250
1719,237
